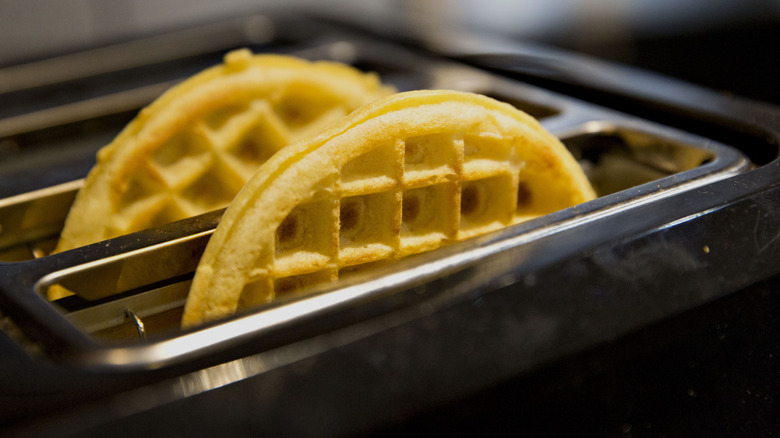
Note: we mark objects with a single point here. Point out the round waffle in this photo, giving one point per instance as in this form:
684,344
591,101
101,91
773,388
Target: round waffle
405,174
192,150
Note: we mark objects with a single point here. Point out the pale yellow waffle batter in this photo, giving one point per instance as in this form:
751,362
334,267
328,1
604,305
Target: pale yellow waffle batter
406,174
192,150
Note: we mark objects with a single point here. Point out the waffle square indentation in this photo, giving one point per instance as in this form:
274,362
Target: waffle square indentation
486,205
256,291
183,146
533,197
375,170
307,238
431,158
142,184
217,119
301,104
170,212
213,189
369,227
258,142
429,217
484,155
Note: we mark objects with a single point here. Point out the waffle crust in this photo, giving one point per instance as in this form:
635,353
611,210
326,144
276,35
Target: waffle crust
406,174
192,149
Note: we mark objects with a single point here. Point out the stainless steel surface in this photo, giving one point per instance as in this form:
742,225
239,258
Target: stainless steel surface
132,269
632,162
30,222
621,299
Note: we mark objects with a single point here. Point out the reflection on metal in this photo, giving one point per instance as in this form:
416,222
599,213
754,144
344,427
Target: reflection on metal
36,251
134,268
139,324
137,53
633,163
85,109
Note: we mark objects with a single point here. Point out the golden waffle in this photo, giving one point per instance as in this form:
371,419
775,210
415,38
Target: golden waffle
406,174
192,150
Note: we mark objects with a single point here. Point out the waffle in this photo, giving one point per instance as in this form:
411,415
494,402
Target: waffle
192,150
405,174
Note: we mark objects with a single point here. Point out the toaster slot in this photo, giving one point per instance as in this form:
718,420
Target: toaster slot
619,159
30,223
149,285
131,290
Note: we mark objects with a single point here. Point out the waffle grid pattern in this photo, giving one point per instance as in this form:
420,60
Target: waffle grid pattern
399,199
203,166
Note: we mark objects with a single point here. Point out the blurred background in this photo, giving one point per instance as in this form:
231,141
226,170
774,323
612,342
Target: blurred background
728,45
